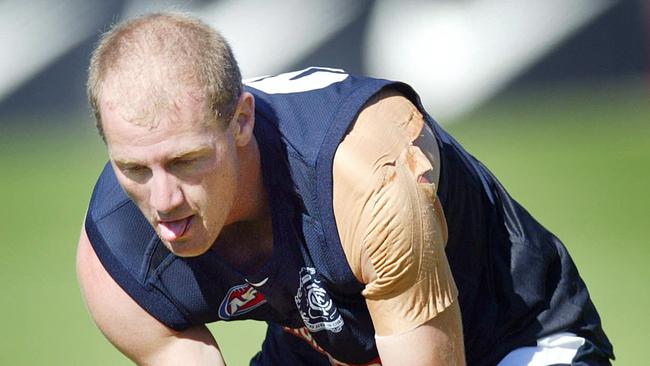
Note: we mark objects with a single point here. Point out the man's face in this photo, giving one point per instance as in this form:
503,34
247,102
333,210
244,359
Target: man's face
182,173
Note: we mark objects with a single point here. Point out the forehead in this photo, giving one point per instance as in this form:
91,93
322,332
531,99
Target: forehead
155,130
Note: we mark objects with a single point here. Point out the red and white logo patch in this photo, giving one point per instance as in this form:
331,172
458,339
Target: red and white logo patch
240,300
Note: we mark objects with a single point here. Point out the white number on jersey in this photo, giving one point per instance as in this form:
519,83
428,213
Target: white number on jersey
319,78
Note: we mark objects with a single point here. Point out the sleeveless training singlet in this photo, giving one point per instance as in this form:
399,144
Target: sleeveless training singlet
516,281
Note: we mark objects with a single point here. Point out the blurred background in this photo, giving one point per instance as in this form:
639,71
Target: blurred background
553,96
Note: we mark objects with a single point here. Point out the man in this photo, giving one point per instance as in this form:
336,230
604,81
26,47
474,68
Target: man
316,201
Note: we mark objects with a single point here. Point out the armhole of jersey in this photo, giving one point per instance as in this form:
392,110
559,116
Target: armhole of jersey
148,297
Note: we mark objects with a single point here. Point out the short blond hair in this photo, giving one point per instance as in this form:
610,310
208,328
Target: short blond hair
188,50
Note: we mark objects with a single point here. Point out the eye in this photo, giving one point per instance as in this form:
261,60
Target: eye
134,171
133,168
188,163
183,163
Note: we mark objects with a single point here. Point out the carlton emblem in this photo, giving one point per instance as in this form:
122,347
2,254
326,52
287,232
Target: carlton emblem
317,309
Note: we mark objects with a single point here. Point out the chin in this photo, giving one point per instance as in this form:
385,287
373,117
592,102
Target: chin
187,249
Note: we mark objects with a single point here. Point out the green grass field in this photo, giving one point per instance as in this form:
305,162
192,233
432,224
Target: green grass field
578,158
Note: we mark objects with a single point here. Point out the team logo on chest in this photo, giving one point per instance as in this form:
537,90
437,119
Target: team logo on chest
315,305
240,300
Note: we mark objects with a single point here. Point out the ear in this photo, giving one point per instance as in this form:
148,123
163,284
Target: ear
244,119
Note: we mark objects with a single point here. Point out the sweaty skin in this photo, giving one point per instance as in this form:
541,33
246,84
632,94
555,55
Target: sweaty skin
391,225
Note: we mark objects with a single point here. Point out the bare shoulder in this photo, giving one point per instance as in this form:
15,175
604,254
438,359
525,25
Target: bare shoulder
127,326
118,316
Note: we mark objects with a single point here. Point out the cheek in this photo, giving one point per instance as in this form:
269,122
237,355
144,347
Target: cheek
197,197
139,194
213,196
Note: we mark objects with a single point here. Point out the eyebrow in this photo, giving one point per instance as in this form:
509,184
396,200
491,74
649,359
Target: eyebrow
178,155
195,151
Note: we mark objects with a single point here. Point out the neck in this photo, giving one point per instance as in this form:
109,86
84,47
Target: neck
251,203
251,229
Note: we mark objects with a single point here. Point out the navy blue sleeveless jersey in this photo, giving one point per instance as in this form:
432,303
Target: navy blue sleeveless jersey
516,281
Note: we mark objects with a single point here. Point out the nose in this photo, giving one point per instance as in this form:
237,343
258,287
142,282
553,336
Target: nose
166,194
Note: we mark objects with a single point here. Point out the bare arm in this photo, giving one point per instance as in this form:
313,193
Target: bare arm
132,330
393,233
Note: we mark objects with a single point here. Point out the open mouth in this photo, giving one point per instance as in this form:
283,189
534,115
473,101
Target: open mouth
171,230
